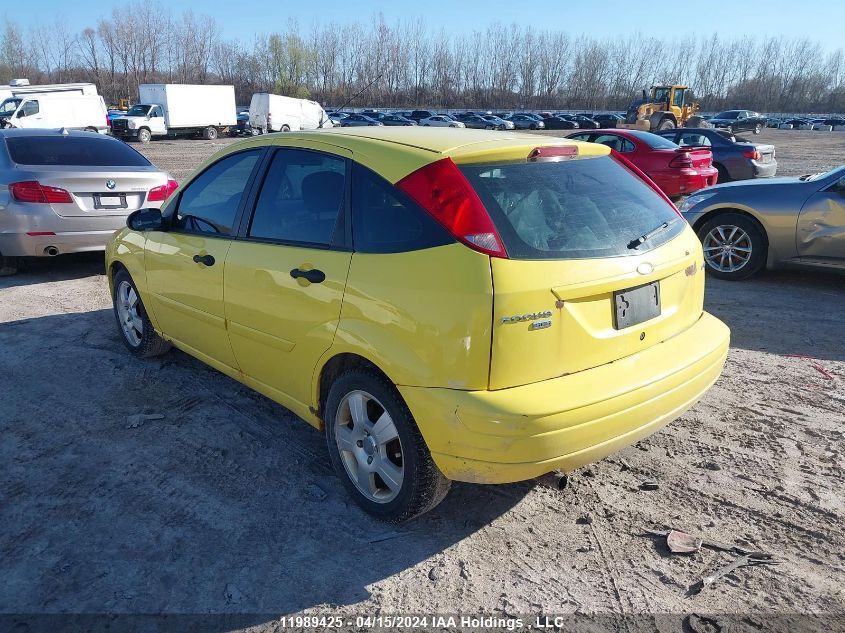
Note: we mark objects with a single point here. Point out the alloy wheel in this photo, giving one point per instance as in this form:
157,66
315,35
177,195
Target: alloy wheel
369,446
727,248
128,313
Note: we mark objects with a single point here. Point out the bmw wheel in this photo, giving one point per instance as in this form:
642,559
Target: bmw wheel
136,330
734,246
377,450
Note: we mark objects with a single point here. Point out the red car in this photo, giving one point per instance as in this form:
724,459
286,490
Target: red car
678,171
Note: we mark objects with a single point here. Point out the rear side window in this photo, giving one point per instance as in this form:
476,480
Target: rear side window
385,220
209,204
301,198
88,151
592,207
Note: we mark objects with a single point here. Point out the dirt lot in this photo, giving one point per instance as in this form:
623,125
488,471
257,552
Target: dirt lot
227,504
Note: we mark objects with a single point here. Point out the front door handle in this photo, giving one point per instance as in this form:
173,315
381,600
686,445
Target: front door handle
206,260
314,276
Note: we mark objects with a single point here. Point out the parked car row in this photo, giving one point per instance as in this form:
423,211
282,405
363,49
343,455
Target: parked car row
798,123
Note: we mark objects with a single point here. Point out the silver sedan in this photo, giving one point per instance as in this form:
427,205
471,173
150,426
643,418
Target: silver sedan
68,192
778,222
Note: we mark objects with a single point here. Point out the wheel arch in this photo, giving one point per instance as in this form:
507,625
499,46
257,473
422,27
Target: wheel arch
332,367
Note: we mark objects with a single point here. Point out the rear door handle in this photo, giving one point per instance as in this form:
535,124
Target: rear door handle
206,260
314,276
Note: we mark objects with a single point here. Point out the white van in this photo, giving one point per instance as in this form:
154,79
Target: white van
71,111
275,113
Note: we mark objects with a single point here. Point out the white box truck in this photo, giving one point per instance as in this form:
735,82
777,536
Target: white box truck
178,110
275,113
22,87
72,111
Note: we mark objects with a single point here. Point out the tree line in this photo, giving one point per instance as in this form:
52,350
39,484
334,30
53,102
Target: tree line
410,64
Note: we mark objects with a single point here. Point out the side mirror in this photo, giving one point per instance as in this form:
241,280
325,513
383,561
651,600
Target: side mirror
145,220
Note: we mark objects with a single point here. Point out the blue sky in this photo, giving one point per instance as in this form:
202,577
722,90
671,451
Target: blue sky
605,18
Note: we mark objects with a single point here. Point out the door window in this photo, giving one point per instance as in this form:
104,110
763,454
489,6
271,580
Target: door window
617,143
301,198
679,99
209,204
29,108
384,220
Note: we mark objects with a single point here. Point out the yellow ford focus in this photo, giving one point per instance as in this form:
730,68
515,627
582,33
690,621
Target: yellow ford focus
445,304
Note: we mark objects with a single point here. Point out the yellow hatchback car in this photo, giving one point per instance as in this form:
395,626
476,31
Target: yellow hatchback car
445,304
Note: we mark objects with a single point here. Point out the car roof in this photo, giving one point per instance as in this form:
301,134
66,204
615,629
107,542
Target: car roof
394,152
31,132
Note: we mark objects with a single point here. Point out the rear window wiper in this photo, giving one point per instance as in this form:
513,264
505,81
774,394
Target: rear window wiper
645,237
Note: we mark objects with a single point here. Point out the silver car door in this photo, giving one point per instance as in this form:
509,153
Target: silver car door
821,223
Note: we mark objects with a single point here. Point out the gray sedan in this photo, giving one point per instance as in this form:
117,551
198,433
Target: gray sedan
68,192
779,222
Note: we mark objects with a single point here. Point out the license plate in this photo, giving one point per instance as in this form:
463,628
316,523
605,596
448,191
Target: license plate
767,158
109,202
636,305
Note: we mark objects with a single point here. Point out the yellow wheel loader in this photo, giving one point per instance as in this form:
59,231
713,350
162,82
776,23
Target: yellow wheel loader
665,109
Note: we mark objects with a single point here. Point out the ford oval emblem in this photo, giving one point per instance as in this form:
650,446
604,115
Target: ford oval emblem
645,268
111,184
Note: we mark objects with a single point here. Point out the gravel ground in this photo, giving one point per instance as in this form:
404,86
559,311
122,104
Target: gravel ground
138,487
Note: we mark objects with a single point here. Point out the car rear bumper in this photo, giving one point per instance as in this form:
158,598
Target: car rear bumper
764,170
681,182
58,243
567,422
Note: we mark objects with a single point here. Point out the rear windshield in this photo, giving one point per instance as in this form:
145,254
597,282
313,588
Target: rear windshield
573,209
653,140
77,151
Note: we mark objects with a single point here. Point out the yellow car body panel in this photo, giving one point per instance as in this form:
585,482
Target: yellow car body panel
495,401
424,319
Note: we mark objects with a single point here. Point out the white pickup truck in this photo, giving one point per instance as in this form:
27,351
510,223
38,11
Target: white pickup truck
178,110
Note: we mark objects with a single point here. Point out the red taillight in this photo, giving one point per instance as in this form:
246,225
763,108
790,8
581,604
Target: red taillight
442,190
681,160
108,121
34,191
752,154
162,192
552,153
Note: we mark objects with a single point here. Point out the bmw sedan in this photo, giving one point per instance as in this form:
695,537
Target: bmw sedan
68,192
781,222
443,304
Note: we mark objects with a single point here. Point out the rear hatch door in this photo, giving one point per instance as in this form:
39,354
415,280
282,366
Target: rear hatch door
600,266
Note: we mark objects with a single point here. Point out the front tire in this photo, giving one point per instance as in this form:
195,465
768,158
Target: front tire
144,135
134,325
734,246
377,450
666,124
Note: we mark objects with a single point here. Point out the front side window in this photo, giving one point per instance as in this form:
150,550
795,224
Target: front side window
385,220
209,204
679,99
30,108
589,207
301,199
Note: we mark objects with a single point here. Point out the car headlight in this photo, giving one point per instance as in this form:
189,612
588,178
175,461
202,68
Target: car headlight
130,124
693,201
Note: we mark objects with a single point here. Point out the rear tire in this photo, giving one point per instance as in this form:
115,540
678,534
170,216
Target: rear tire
144,135
91,129
362,409
746,246
285,128
209,133
696,121
136,330
723,174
